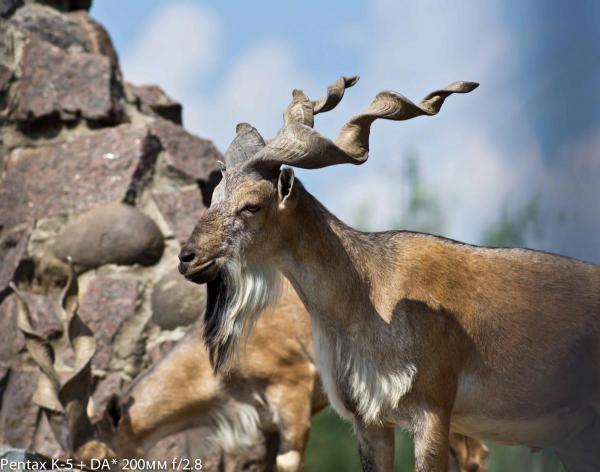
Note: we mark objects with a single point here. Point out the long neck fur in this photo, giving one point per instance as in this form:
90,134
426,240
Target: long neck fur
333,267
339,274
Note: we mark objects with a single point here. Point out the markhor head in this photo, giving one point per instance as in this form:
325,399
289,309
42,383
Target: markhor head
232,246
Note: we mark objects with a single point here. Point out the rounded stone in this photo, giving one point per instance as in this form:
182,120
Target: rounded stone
115,233
176,301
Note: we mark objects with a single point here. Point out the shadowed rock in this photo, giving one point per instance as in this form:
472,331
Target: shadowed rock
177,302
151,98
115,233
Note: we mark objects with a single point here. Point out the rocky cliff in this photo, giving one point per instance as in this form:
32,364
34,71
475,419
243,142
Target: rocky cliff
99,169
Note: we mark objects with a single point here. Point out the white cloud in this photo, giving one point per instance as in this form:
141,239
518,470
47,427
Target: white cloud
479,151
178,47
256,89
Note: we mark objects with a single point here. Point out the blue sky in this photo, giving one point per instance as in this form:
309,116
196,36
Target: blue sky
532,128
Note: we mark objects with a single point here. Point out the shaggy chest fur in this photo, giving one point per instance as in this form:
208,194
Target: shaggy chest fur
358,386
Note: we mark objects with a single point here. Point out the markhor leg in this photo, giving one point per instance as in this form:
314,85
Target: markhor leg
432,442
376,448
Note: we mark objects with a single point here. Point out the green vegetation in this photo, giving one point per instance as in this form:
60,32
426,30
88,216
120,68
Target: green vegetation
421,209
514,228
332,447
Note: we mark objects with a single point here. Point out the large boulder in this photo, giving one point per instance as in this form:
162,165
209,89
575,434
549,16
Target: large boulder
115,233
177,302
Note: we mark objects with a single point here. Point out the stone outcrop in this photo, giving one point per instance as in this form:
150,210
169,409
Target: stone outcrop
102,171
48,89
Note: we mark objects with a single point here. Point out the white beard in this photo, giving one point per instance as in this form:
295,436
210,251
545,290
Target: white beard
235,300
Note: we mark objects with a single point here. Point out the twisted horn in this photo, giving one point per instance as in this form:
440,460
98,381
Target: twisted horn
299,145
248,141
245,145
335,93
302,110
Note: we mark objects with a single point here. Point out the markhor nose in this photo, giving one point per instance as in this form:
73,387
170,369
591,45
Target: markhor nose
185,255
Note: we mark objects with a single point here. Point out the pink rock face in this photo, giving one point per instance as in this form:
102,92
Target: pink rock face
181,209
13,246
108,165
193,157
104,306
49,87
43,316
18,418
73,150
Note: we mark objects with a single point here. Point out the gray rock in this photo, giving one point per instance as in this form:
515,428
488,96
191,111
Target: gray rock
49,90
177,302
50,25
181,209
104,306
115,233
98,39
105,166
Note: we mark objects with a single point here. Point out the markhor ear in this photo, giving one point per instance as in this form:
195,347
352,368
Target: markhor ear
285,185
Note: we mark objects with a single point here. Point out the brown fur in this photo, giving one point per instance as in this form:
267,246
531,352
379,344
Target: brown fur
180,391
504,342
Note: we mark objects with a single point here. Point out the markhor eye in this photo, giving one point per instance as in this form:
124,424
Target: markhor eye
251,208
